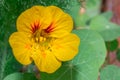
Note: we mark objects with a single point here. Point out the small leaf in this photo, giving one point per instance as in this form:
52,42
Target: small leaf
109,31
14,76
20,76
110,72
85,66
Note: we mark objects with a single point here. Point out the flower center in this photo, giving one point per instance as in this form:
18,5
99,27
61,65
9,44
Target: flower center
41,36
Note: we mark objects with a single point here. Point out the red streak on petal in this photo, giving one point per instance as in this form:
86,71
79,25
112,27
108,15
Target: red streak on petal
50,28
35,27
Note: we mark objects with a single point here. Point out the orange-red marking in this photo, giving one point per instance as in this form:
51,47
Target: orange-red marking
35,27
50,28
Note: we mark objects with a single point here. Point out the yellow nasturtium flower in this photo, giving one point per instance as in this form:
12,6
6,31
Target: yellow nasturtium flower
43,36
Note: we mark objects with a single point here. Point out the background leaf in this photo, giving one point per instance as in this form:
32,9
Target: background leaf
108,15
85,66
93,7
110,72
109,31
14,76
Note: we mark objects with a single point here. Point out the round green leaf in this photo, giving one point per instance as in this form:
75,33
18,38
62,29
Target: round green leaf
110,72
85,66
109,31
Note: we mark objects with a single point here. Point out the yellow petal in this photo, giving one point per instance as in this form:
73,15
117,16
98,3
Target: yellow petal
46,62
33,16
21,47
66,48
61,21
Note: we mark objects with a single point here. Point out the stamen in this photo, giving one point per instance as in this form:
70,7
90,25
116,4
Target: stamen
36,39
42,39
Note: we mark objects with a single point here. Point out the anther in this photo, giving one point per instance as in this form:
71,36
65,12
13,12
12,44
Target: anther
42,39
36,39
